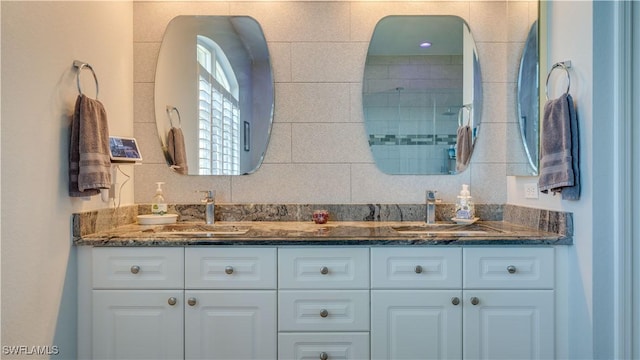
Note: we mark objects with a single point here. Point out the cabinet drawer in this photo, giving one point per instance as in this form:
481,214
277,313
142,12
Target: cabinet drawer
509,268
138,268
343,346
230,268
416,268
327,310
323,268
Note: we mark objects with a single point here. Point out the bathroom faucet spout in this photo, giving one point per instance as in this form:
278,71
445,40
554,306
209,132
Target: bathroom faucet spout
431,207
209,200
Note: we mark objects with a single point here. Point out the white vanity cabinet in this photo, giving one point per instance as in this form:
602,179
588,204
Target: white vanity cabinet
136,303
509,303
174,303
230,298
416,310
496,303
319,302
323,305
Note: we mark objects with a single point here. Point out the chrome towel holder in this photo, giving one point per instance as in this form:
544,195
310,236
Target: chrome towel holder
81,65
564,65
171,109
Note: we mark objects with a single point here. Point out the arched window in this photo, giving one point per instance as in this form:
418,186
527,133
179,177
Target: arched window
219,111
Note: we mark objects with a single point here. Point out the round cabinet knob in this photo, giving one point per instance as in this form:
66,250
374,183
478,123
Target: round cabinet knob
172,301
324,270
418,269
191,301
511,269
455,301
324,356
135,269
324,313
475,301
228,270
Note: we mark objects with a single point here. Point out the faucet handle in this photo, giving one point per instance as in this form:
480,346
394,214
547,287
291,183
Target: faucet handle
209,195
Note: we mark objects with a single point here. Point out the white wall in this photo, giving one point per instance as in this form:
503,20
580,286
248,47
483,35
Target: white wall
570,37
318,151
40,40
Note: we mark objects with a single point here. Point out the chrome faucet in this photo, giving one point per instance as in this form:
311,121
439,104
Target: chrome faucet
431,207
210,200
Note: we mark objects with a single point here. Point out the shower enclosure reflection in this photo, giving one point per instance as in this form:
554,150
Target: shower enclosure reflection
421,72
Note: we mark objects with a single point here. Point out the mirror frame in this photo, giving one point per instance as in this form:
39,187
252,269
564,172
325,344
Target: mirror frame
528,85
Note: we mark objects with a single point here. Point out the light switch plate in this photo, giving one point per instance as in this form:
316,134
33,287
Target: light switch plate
531,191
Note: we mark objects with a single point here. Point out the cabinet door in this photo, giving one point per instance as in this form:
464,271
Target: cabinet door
230,324
137,324
416,324
507,324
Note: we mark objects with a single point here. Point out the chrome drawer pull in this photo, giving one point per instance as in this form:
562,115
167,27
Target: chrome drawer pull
475,301
172,301
192,301
418,269
455,301
511,269
324,270
135,269
228,270
324,313
324,356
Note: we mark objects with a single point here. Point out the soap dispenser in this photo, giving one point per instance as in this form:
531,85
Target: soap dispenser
158,205
464,205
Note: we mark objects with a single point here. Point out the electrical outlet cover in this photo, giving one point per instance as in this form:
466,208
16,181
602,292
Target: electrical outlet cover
531,191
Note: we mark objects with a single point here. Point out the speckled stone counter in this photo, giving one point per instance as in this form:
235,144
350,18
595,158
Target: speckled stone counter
334,233
367,225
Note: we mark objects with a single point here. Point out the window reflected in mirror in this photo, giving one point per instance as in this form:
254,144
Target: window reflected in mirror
219,112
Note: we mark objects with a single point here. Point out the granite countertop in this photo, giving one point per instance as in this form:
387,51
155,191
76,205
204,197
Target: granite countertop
365,233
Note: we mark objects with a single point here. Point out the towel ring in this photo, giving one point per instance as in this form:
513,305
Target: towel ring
461,114
170,109
81,65
564,65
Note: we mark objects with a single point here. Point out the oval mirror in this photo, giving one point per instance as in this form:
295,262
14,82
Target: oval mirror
214,95
528,99
422,94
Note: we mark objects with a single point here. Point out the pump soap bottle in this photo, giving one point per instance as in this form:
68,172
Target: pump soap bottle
158,205
464,205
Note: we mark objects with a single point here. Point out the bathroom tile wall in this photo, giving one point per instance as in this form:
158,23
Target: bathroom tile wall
319,151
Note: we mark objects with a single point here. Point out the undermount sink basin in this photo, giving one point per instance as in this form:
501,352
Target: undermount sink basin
207,230
441,228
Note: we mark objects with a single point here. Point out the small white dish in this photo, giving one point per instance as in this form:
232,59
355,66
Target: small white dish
157,219
465,221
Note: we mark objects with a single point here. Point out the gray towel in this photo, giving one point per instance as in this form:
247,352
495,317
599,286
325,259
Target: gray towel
177,151
463,147
89,161
559,153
